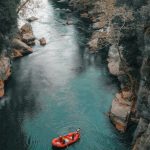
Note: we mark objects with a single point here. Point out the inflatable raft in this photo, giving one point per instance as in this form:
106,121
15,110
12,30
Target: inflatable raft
66,140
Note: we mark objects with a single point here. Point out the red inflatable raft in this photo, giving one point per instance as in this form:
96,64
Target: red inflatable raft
66,140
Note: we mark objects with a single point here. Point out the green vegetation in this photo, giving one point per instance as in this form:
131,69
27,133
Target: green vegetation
8,15
8,18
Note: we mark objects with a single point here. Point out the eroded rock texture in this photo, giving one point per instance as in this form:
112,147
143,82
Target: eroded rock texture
124,25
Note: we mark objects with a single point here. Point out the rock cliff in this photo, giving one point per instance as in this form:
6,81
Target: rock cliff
8,22
124,27
14,42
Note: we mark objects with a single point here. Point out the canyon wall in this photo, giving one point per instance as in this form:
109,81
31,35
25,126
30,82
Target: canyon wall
14,42
123,26
8,22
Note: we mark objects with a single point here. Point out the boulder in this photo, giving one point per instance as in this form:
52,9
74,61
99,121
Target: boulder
114,61
18,44
26,28
42,41
114,67
29,39
16,53
121,109
27,34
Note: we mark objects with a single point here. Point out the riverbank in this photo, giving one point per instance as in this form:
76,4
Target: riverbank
21,45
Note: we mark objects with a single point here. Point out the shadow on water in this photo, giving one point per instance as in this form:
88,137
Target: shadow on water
13,110
55,148
11,133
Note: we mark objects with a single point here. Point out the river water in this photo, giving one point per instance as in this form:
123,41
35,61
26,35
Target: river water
57,89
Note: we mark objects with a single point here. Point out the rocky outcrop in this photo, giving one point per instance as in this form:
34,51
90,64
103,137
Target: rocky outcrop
142,135
20,48
93,44
5,72
21,45
107,20
114,62
42,41
8,22
18,44
29,39
121,109
99,13
22,42
26,28
26,33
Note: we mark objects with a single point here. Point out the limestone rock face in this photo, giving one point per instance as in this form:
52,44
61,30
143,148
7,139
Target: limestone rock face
4,68
23,47
99,14
26,33
132,17
121,109
28,38
26,28
5,72
114,62
17,53
93,44
1,88
22,42
142,135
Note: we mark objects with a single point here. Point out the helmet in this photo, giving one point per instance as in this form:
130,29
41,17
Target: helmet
78,129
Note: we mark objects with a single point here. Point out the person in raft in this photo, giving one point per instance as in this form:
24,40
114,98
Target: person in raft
73,135
61,139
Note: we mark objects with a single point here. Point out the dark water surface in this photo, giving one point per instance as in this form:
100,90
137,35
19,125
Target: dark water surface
57,89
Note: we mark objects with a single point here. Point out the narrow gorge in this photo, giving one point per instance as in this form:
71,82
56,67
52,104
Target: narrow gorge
68,64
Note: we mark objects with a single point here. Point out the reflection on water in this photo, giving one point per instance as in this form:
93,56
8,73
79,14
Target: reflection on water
57,89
